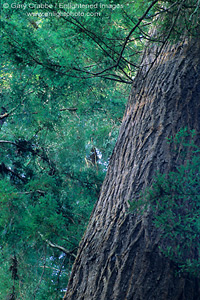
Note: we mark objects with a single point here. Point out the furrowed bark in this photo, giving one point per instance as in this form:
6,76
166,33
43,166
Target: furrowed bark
119,256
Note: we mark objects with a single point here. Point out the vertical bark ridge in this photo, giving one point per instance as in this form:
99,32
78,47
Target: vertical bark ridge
119,257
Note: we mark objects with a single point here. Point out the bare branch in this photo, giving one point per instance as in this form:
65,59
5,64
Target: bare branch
7,114
70,253
133,29
9,170
167,37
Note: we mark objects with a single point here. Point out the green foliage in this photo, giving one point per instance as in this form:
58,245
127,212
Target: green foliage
59,121
52,117
174,200
181,20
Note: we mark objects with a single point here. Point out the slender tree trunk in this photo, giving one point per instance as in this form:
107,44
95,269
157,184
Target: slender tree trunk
119,255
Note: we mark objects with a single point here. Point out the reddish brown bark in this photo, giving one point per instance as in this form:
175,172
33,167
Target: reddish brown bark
119,256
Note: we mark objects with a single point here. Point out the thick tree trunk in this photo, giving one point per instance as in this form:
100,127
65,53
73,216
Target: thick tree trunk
119,255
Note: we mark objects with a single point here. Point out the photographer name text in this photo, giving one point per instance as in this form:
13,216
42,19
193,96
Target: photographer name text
68,6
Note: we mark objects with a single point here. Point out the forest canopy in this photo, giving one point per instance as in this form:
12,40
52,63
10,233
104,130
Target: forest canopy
66,73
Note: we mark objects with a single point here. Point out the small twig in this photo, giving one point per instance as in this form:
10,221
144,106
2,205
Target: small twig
7,114
57,246
166,39
38,285
133,29
58,277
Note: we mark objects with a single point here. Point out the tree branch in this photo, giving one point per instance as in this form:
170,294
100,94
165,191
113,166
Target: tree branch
167,37
8,170
7,114
133,29
57,246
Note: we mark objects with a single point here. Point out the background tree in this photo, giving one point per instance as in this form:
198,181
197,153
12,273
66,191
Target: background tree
120,256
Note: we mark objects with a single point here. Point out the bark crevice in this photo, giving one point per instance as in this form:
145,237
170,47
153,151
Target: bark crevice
119,256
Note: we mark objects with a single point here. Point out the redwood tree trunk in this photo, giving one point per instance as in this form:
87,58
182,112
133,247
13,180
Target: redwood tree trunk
119,255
